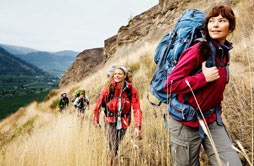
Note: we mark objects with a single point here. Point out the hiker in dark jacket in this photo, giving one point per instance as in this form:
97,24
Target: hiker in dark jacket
208,86
63,102
118,109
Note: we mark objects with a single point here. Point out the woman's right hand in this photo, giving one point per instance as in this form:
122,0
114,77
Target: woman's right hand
210,73
137,133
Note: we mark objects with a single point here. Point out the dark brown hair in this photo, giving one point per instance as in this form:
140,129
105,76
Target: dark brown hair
226,12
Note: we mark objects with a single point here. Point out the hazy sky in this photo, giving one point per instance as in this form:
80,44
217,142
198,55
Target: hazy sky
54,25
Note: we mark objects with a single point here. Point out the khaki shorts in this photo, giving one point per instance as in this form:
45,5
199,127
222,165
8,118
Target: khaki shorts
186,143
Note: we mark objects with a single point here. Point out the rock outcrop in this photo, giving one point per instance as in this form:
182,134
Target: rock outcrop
85,63
150,25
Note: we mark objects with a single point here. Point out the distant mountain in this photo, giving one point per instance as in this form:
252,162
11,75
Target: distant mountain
17,49
25,50
66,52
11,65
53,63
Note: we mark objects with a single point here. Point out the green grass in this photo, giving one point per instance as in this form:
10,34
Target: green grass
18,91
11,104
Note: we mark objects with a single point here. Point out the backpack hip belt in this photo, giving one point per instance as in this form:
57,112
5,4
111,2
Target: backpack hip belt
206,113
112,114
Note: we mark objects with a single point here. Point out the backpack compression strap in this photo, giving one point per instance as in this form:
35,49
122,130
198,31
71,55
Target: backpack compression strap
111,96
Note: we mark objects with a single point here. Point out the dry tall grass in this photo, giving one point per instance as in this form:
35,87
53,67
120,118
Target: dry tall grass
37,135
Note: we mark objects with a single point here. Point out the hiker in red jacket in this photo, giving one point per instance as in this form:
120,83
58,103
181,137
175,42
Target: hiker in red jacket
118,97
208,86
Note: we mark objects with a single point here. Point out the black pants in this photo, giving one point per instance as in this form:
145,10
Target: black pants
114,137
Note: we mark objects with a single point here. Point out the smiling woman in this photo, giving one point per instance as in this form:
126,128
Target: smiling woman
118,98
187,137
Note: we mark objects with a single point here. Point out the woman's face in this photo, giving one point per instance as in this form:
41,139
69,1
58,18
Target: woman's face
119,76
218,28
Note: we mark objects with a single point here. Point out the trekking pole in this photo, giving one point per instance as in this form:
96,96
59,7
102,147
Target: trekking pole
204,126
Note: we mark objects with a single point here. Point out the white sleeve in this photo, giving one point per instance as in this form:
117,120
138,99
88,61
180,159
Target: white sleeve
76,101
87,99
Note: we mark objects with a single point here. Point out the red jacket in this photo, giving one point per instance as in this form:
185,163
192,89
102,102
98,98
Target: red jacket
126,105
208,94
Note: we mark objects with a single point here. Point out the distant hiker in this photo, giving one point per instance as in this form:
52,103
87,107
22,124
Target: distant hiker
208,85
77,93
118,97
63,102
80,104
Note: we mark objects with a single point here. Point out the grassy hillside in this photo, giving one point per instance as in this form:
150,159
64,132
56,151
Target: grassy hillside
17,91
38,135
11,104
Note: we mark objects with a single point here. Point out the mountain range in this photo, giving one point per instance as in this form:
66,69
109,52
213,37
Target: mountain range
17,49
12,65
54,63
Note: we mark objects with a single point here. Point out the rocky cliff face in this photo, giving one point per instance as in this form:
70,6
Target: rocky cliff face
85,63
150,25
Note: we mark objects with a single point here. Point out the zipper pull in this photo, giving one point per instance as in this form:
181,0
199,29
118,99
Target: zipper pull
183,114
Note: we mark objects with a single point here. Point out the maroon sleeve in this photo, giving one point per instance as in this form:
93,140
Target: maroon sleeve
189,62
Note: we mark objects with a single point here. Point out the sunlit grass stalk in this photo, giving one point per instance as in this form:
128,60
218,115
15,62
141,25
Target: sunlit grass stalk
252,113
204,126
252,118
242,151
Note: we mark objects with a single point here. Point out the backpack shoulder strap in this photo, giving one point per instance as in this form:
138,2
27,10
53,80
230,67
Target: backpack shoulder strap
111,93
109,97
129,93
211,60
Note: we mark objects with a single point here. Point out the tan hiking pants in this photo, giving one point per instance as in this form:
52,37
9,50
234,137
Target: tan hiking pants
186,143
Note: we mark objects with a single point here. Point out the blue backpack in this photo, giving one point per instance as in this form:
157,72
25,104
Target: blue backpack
185,33
169,49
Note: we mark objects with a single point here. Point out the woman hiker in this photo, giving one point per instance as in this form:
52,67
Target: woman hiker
208,86
118,97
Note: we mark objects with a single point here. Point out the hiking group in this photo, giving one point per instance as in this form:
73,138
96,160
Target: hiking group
191,76
80,103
